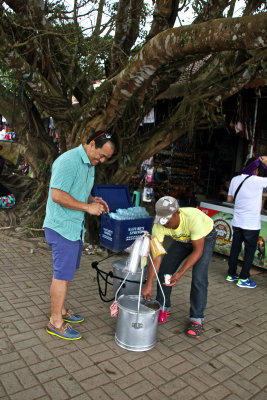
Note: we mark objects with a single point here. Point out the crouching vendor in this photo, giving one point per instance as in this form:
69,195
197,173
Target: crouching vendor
194,240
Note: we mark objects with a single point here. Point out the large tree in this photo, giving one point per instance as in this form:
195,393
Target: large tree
50,53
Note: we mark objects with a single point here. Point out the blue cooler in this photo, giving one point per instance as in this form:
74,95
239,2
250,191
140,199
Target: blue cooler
117,235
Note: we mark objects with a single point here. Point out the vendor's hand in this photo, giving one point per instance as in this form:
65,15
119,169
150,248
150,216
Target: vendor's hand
263,159
95,208
103,202
147,291
173,280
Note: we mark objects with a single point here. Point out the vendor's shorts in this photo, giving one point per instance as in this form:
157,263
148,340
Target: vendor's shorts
7,201
66,255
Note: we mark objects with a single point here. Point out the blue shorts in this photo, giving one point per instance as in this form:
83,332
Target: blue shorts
66,254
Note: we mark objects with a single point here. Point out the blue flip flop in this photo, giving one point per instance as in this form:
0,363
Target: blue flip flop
64,332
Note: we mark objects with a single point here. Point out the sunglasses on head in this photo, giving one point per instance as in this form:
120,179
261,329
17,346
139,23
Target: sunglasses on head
107,135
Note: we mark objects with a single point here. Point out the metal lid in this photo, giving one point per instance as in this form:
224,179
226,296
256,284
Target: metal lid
130,303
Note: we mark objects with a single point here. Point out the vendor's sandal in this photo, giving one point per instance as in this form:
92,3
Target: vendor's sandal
64,332
71,317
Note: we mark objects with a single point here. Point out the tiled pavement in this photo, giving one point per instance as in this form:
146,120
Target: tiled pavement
228,362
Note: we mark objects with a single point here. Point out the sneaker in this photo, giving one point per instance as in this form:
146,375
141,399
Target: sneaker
194,330
162,317
232,278
64,332
246,283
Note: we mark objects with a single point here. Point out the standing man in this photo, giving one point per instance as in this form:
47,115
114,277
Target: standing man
194,237
246,190
68,200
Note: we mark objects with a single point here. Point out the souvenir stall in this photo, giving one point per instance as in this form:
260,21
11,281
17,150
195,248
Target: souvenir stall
173,171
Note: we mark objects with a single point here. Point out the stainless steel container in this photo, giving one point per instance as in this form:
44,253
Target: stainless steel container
131,285
137,331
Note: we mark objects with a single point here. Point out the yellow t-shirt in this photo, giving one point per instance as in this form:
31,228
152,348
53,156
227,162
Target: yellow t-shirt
194,225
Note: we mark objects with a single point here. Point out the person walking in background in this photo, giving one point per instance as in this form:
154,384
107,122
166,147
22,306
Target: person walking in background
246,192
194,238
69,199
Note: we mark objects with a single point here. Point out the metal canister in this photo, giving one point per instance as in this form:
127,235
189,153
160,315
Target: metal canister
136,330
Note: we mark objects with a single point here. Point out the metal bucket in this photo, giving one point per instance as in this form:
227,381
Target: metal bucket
131,285
137,331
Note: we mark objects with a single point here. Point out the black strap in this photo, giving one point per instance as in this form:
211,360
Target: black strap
237,190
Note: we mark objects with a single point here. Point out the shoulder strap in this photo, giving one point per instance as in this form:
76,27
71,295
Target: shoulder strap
237,190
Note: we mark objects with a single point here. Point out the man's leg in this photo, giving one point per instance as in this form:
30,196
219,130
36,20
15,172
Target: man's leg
235,250
58,291
251,239
177,252
66,259
199,285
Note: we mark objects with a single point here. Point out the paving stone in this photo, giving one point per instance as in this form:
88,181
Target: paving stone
114,392
260,380
129,380
240,387
97,393
7,358
95,381
85,373
26,377
165,373
46,376
218,392
11,383
70,385
262,395
172,387
139,389
12,366
182,368
45,366
55,391
186,393
34,393
156,394
195,383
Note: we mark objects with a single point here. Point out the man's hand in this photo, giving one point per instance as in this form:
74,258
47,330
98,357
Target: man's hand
263,159
173,280
95,208
147,291
101,201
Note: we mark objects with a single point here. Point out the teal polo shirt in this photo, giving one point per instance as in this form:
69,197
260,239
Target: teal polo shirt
73,173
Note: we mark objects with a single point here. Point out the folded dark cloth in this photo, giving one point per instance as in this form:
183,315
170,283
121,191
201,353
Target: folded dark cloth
249,169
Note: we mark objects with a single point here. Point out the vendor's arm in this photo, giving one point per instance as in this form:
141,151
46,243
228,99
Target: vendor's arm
66,200
198,247
147,288
230,199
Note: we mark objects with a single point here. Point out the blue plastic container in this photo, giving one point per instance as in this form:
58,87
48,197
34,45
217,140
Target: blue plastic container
117,235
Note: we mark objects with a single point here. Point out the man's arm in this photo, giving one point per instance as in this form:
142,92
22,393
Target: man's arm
230,199
66,200
147,288
198,246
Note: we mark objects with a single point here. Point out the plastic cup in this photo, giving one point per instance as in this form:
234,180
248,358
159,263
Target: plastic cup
167,278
